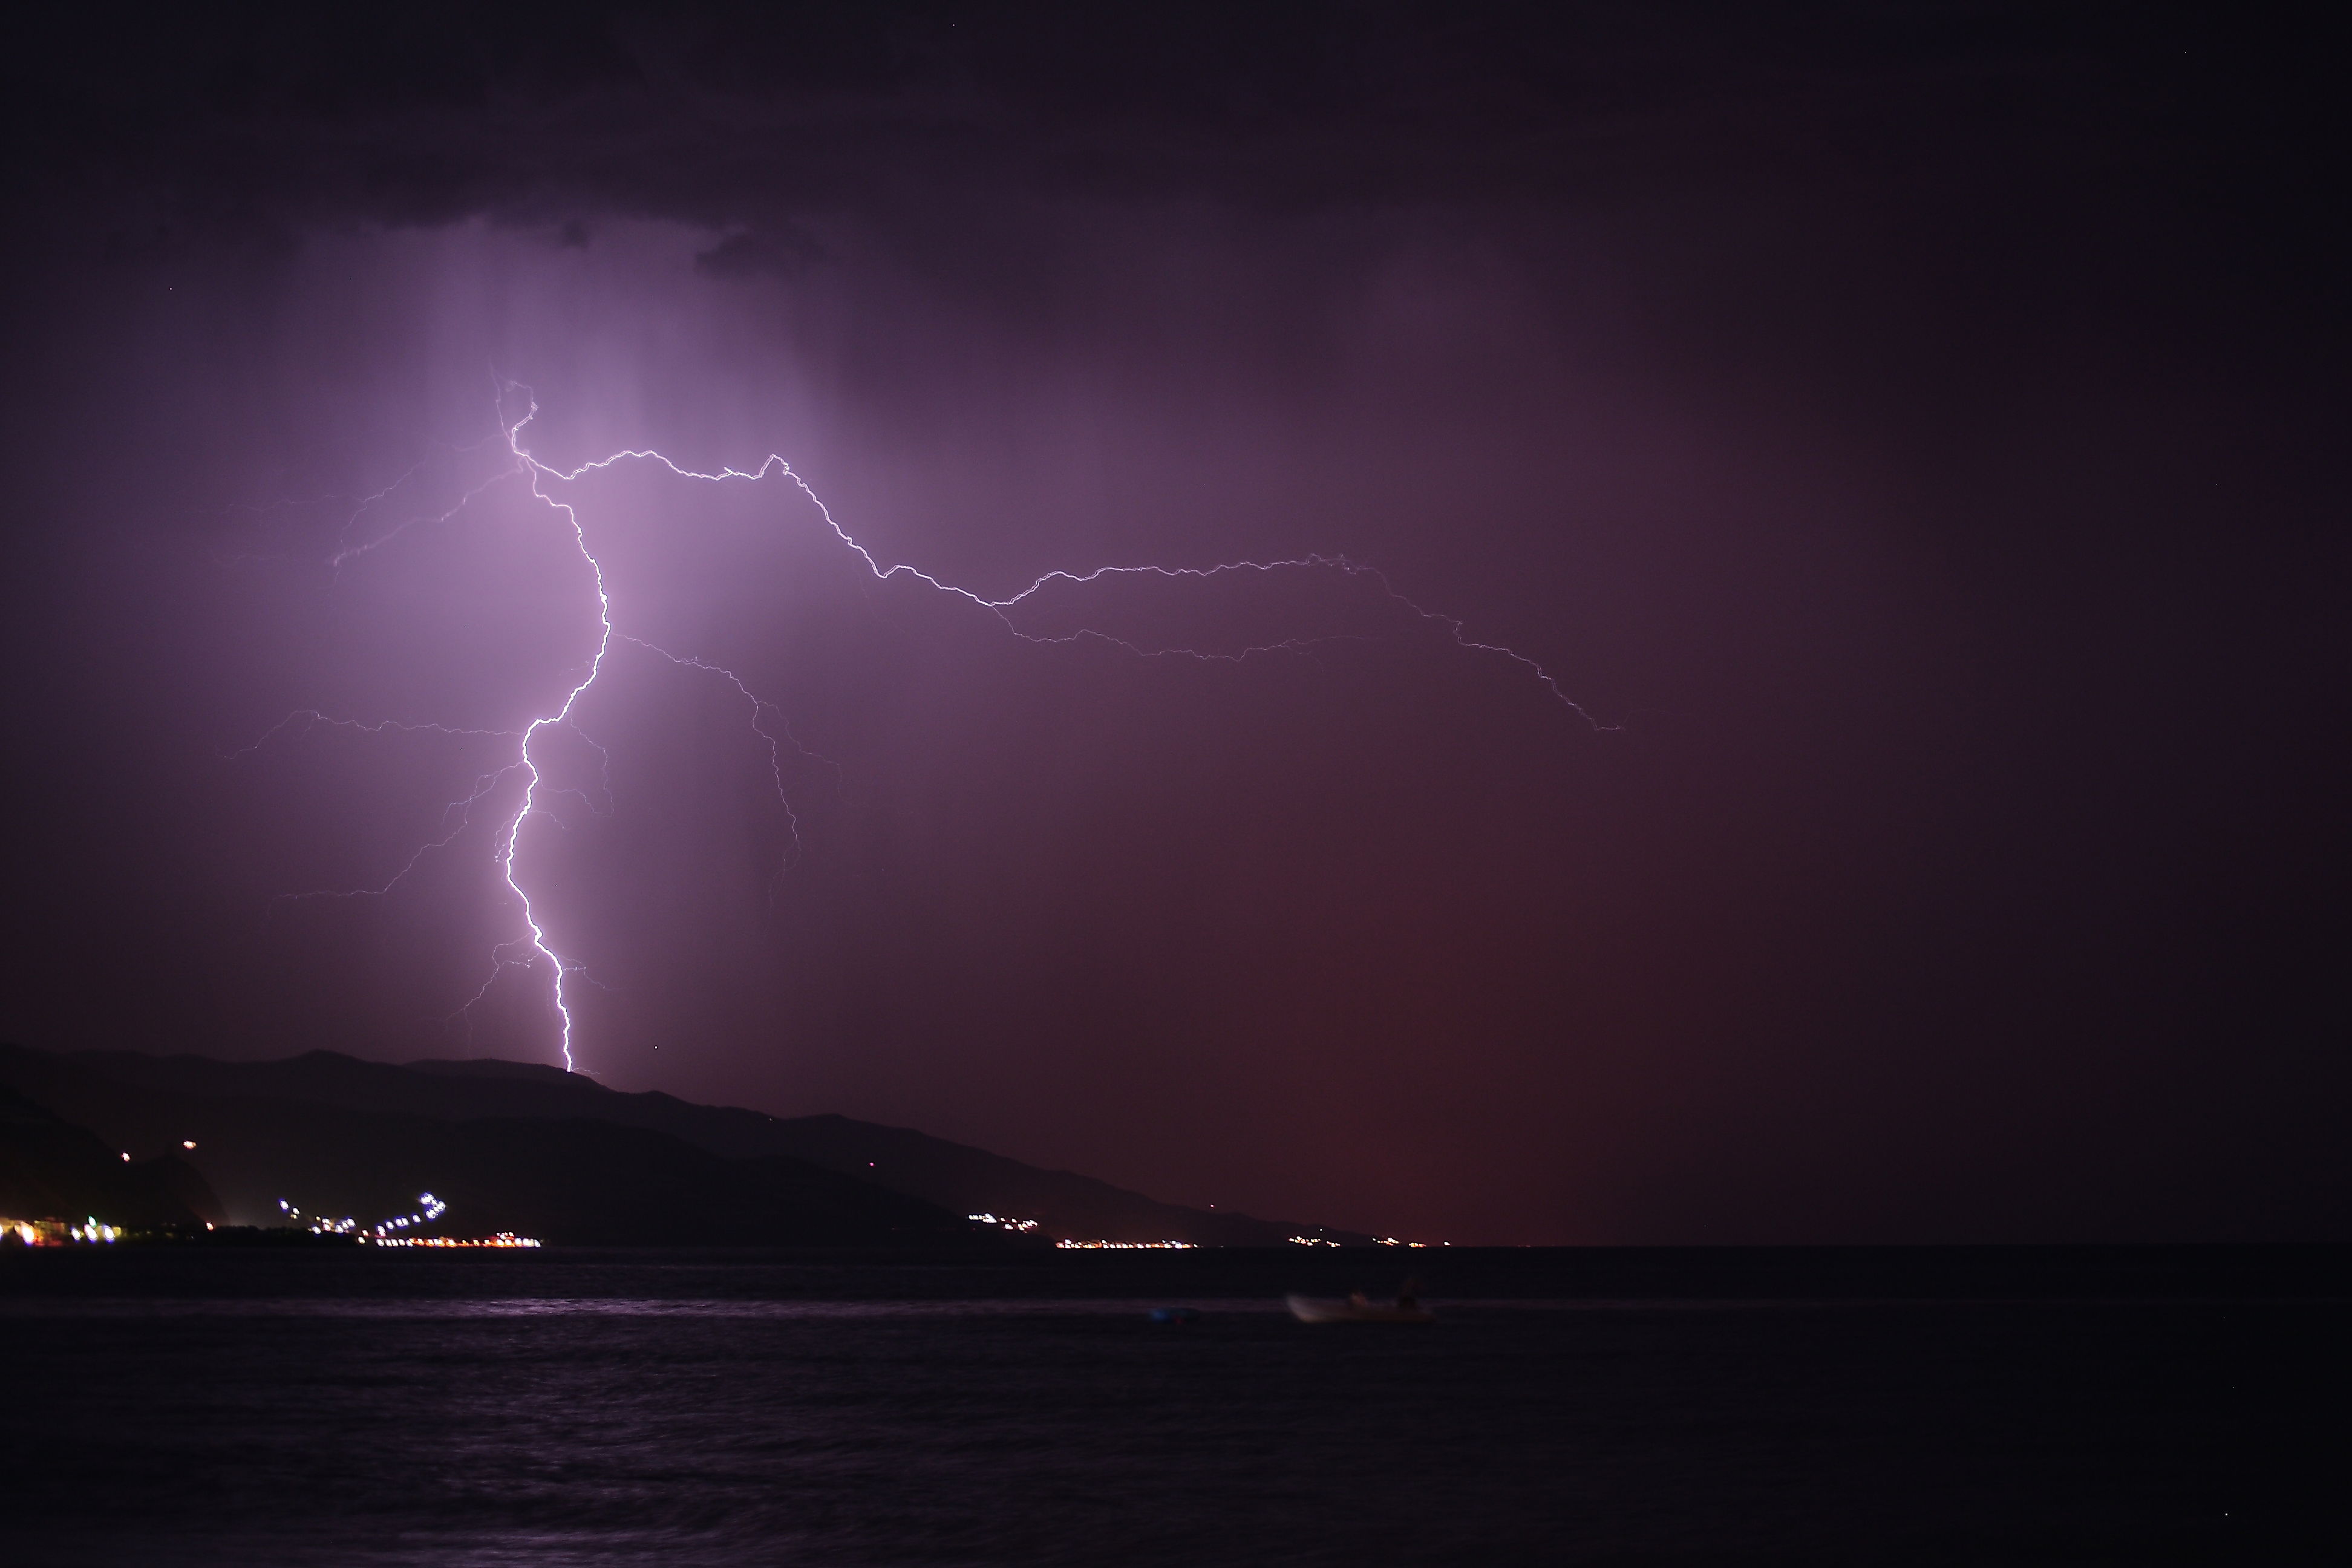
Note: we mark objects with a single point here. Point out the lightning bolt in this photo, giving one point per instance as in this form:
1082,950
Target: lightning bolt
534,945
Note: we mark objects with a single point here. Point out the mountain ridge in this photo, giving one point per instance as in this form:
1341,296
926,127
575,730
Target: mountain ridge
143,1099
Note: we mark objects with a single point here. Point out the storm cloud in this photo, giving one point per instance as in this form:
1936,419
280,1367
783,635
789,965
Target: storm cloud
1910,437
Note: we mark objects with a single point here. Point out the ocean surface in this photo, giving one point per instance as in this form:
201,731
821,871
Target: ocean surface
267,1406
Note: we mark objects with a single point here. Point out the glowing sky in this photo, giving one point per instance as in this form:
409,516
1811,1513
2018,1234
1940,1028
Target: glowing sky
1909,446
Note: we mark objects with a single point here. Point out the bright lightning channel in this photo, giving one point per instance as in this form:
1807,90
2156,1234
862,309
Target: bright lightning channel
527,466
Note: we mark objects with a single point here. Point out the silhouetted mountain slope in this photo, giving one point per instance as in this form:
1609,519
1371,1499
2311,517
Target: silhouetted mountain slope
251,1129
51,1169
562,1179
1063,1203
595,1183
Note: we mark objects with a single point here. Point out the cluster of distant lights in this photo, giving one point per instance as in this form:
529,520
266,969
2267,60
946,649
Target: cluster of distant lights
432,1208
1019,1226
57,1232
428,1209
1070,1246
1074,1245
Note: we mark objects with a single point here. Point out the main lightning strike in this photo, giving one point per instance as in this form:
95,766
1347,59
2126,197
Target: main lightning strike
528,467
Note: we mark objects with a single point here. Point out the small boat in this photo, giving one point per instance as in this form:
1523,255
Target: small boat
1175,1314
1357,1309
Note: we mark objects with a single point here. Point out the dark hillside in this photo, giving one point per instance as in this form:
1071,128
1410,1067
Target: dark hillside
51,1169
251,1130
562,1179
595,1184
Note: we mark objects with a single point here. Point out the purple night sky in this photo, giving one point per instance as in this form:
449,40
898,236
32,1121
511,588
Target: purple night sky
1914,438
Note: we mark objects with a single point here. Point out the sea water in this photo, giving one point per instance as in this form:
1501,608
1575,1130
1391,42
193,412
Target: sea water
264,1407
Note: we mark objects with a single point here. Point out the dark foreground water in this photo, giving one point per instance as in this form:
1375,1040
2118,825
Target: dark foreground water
293,1407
